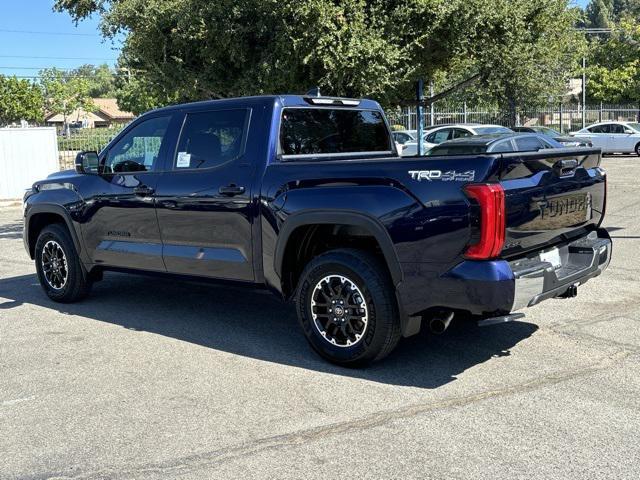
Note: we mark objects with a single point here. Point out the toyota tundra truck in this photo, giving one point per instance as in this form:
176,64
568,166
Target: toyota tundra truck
307,197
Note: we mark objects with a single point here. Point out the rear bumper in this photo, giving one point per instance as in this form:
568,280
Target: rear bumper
537,280
499,287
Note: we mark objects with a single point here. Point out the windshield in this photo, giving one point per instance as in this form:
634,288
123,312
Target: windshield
635,126
456,150
487,130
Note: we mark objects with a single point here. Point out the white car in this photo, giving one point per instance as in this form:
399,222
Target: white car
613,137
435,136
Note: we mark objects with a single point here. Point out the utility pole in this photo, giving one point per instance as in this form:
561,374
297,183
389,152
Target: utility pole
584,92
419,110
432,107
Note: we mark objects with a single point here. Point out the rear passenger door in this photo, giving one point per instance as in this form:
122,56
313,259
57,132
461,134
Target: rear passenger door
204,199
599,136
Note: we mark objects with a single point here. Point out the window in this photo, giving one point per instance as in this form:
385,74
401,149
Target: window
600,129
504,146
529,144
138,150
210,139
402,137
456,150
460,133
616,128
440,136
324,131
491,130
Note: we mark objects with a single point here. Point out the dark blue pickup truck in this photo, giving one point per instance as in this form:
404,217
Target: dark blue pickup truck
308,197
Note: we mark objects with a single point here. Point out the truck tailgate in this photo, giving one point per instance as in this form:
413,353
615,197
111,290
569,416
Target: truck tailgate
551,196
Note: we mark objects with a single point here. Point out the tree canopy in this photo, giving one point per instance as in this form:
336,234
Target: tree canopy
179,50
20,100
65,92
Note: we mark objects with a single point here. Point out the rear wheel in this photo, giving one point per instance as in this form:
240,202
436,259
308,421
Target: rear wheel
60,272
638,149
347,308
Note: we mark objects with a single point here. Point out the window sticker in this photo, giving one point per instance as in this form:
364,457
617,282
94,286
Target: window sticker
184,160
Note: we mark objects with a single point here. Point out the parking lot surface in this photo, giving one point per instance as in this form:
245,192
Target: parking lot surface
149,378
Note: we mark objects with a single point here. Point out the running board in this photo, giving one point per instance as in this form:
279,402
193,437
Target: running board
502,319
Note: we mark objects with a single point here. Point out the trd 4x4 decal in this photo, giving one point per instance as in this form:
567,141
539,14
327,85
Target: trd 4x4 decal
448,176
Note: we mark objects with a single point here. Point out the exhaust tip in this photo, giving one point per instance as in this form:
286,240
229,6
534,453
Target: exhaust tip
440,322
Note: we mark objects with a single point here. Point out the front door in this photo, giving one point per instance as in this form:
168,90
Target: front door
619,140
121,229
204,202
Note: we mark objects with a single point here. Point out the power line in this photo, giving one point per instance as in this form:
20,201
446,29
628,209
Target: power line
35,32
36,68
56,58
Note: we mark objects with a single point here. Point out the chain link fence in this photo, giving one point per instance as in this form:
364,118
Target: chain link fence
564,118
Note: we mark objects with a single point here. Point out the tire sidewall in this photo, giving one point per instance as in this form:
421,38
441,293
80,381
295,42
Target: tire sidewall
362,350
51,233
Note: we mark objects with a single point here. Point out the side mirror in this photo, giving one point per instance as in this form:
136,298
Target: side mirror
628,131
87,162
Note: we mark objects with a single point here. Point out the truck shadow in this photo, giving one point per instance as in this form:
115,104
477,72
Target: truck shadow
255,324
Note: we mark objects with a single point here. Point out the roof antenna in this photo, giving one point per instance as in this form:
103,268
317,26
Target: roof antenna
314,92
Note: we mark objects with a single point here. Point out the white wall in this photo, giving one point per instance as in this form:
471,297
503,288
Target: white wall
26,155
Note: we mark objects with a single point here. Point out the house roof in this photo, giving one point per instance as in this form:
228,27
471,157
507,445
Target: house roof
106,110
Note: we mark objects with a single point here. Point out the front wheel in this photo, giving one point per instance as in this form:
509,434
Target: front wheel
638,149
347,307
60,272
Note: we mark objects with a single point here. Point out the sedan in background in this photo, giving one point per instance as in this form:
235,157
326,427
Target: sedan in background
437,135
565,140
404,136
501,143
613,137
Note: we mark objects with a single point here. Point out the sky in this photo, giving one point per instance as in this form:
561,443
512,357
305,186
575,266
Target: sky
30,29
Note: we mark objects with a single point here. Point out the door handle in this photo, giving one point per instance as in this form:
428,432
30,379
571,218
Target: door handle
231,190
143,190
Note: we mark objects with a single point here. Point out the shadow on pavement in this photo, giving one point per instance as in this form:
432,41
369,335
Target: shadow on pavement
255,324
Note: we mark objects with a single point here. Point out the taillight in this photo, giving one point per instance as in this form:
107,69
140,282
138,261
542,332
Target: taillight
490,198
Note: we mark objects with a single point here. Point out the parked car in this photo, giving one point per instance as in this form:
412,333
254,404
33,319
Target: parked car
613,137
404,136
439,134
306,196
566,140
504,143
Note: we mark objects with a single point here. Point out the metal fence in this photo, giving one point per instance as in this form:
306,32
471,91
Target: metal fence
564,118
89,139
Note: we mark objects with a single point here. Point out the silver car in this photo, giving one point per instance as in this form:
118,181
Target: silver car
613,137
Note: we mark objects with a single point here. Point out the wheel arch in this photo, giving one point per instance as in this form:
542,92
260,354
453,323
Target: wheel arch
41,215
345,218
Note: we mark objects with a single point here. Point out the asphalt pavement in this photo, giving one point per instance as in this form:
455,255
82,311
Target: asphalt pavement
150,378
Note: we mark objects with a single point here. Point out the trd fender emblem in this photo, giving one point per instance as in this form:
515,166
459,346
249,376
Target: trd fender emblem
448,176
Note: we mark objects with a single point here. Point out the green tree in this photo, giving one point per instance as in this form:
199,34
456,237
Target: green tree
64,93
101,80
177,50
20,100
615,72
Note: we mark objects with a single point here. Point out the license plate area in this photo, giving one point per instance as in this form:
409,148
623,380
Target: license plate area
553,257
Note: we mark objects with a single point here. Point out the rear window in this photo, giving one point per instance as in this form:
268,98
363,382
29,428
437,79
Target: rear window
324,131
490,130
456,150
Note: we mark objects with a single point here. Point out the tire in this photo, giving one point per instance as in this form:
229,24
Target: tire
638,149
61,275
366,327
